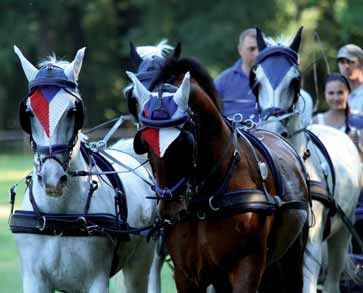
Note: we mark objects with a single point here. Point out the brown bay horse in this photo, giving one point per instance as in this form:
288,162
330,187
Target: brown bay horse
234,203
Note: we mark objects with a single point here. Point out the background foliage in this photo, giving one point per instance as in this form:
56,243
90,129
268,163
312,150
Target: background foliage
208,30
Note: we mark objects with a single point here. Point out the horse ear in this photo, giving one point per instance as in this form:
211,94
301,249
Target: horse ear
141,93
261,44
29,69
135,57
177,51
295,45
181,97
73,69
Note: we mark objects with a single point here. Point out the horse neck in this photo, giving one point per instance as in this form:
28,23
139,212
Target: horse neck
214,134
296,137
75,192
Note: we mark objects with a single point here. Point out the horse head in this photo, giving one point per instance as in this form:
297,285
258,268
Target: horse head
171,116
275,80
148,60
164,119
52,114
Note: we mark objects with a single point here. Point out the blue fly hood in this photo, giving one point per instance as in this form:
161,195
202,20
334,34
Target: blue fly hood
161,109
162,113
270,56
276,60
52,75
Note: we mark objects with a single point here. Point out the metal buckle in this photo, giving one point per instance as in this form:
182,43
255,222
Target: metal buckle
97,146
42,228
237,118
91,229
263,170
201,215
211,206
84,222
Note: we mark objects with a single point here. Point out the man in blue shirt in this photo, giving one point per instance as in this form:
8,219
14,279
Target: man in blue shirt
233,83
350,63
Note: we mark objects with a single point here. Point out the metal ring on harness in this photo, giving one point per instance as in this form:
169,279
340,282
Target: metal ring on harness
237,118
211,206
42,228
84,221
201,215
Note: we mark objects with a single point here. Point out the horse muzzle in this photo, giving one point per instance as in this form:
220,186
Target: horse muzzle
52,178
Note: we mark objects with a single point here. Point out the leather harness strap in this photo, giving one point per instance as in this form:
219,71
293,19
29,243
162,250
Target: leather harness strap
242,201
98,224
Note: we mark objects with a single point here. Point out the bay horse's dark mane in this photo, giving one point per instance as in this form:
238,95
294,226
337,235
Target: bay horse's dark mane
173,68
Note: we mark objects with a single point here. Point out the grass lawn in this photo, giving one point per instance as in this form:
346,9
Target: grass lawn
12,169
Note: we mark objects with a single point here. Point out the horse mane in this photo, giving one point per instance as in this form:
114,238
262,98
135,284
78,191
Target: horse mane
175,67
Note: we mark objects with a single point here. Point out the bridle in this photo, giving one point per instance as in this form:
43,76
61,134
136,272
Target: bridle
46,152
188,127
281,115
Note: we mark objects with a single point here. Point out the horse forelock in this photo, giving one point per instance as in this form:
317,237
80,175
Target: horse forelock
281,40
174,68
161,49
52,60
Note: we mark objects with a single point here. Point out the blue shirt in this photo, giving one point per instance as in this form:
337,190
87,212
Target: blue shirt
355,119
234,89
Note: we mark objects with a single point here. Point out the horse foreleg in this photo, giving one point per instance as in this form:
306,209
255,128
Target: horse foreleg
136,271
292,263
155,272
246,275
337,252
31,284
99,284
286,274
313,250
187,284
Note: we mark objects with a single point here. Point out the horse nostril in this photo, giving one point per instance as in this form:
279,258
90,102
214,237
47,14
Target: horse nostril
63,179
40,178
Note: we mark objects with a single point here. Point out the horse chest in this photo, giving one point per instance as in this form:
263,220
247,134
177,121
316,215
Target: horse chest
64,261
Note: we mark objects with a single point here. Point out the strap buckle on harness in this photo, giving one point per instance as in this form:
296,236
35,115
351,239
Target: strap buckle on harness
84,222
97,146
42,227
211,205
263,170
201,215
277,201
91,229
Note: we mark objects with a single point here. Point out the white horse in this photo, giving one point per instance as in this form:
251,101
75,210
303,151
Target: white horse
276,85
52,115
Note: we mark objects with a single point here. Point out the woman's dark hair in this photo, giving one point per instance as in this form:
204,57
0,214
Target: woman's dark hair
344,80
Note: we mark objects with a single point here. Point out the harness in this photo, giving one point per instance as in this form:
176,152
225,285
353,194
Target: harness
202,204
224,203
85,224
100,224
318,190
